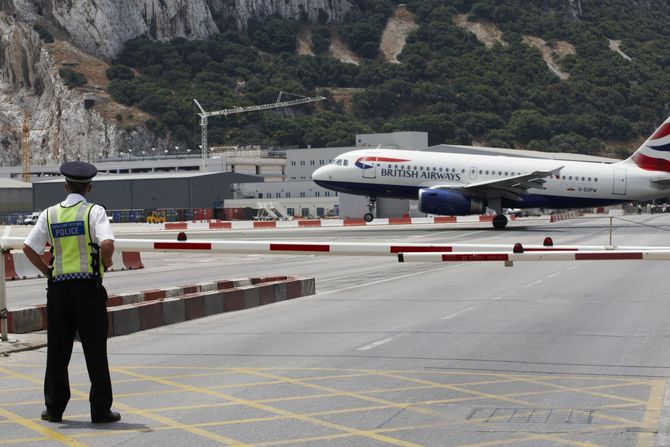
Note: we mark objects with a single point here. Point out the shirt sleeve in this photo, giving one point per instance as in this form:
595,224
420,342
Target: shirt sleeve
39,235
101,229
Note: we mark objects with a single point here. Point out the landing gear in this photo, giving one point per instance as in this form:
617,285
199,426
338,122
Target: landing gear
499,222
369,216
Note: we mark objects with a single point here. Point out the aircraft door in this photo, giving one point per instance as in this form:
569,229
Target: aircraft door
371,171
619,186
473,173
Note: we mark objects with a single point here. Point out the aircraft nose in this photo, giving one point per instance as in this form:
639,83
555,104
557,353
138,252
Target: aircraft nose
319,174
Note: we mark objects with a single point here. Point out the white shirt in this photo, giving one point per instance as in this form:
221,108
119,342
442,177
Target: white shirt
98,222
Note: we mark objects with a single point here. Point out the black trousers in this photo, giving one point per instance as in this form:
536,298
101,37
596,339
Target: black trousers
77,306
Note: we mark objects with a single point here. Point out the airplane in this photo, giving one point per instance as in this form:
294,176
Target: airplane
464,184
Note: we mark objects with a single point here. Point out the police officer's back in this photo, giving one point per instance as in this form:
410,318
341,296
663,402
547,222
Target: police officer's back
82,244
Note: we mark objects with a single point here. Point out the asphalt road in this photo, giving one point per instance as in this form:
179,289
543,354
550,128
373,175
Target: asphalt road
477,354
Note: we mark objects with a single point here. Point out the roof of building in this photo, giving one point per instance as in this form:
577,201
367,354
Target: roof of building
456,149
6,183
144,176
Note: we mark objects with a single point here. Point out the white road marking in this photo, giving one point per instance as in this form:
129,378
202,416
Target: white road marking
555,274
377,343
395,278
534,283
501,296
573,267
455,314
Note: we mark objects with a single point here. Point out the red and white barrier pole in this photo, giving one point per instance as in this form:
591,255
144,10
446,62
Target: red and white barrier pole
328,248
509,257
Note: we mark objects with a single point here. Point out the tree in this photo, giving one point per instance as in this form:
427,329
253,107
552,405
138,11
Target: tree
72,78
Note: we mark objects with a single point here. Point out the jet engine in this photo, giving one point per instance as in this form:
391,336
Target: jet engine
449,203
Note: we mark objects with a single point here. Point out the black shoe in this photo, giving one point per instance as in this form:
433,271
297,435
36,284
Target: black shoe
112,416
45,416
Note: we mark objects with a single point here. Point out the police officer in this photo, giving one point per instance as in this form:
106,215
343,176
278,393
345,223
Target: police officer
82,244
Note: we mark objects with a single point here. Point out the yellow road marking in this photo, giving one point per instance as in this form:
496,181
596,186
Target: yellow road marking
278,411
654,408
34,426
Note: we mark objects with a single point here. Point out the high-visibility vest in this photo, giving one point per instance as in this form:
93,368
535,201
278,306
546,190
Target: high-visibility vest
74,256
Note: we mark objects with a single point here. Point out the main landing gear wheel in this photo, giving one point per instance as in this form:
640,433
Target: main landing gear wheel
368,217
499,222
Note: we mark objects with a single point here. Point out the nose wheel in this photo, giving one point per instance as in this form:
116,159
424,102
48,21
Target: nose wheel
369,216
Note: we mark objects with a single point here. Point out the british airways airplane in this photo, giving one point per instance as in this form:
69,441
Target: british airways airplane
463,184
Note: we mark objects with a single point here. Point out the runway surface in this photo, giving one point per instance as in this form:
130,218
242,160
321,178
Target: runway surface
454,354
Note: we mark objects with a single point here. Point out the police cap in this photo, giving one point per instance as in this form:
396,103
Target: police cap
78,171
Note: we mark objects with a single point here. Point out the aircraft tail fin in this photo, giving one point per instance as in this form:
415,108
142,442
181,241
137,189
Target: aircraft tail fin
654,154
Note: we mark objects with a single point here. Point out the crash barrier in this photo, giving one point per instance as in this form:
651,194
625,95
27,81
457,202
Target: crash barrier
128,313
329,248
519,253
17,265
310,223
565,215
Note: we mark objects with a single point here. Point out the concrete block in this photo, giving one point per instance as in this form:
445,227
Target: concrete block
154,294
251,297
233,300
213,303
307,286
208,286
114,300
266,294
132,298
151,314
227,284
173,292
293,289
280,291
126,319
173,310
186,290
25,320
194,307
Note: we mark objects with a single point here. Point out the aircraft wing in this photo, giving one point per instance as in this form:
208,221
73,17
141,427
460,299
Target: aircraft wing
509,187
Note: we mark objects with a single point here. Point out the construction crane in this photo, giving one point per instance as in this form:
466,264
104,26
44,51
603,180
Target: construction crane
25,149
275,105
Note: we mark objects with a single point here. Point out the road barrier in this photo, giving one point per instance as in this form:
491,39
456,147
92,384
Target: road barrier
509,257
139,311
17,265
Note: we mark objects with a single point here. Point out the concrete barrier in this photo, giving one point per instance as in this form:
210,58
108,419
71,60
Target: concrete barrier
132,312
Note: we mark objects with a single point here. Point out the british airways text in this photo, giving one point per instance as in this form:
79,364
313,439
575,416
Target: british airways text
426,175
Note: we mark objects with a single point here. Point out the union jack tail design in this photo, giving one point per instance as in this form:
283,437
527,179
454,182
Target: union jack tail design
654,154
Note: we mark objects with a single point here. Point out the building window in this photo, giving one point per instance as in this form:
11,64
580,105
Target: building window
278,195
293,163
317,194
327,194
312,162
302,194
290,211
302,163
322,162
288,195
260,195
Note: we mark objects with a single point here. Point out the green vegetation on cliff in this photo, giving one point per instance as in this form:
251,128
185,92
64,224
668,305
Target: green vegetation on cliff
448,83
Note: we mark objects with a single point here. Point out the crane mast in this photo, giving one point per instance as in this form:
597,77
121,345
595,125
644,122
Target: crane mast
275,105
25,148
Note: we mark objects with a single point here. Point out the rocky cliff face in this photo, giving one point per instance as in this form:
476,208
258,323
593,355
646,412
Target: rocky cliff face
61,127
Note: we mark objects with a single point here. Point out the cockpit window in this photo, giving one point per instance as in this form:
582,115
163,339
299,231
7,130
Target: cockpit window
346,162
338,162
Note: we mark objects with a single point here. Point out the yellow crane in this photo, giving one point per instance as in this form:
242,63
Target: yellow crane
25,148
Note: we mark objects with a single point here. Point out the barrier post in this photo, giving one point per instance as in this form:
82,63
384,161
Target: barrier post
611,218
3,297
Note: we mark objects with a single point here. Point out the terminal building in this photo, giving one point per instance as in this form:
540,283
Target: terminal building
273,183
